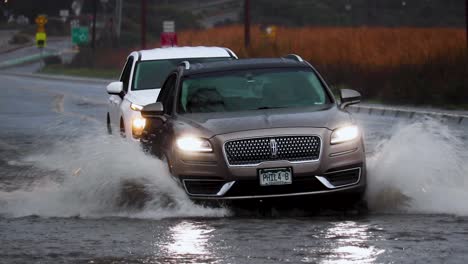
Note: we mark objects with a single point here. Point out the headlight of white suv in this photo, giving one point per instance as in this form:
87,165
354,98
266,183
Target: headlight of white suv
136,107
193,144
344,134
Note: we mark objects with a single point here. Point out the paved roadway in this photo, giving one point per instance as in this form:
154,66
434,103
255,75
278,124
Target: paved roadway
61,178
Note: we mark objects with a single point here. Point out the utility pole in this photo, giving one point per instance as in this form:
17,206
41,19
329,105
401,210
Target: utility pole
143,23
247,23
466,18
118,11
93,40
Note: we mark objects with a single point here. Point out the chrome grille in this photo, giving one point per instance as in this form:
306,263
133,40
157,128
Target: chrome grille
257,150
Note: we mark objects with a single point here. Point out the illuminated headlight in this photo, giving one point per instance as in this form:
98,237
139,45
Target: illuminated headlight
344,134
138,124
136,107
193,144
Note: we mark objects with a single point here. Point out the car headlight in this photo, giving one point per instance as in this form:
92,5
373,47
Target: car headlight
136,107
193,144
344,134
138,124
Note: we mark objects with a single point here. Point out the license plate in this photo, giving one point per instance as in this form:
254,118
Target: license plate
277,176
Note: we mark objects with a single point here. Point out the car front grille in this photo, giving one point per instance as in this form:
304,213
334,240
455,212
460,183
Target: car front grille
256,150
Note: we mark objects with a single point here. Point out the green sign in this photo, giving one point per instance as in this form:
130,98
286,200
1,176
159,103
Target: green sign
80,35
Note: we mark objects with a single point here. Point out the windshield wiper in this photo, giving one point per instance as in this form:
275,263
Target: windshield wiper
269,107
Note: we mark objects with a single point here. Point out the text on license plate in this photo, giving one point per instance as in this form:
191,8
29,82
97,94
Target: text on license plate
277,176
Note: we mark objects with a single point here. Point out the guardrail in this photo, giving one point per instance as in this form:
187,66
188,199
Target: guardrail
27,59
407,113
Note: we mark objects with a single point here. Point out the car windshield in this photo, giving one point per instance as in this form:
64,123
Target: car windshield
251,90
151,74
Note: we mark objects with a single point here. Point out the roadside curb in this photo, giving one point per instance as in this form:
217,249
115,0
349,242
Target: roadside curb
57,77
16,48
410,113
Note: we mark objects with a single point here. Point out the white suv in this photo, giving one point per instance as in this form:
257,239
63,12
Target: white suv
141,81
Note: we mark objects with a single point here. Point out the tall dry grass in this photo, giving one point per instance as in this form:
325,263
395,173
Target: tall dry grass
403,65
368,47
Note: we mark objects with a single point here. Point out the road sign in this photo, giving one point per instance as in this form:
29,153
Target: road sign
41,39
64,13
168,39
168,36
41,21
80,35
168,26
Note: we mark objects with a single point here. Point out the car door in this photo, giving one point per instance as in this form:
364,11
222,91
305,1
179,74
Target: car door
116,100
162,130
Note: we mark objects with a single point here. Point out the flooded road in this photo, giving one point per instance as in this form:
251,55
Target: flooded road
61,178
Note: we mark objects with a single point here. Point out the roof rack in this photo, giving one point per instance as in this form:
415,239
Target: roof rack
186,65
231,53
294,57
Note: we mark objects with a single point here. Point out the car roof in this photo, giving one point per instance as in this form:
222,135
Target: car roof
184,52
242,64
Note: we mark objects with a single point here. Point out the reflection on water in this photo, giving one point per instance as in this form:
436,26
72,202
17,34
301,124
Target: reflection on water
350,244
189,240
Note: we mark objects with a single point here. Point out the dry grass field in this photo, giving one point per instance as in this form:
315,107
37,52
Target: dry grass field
366,47
424,66
399,65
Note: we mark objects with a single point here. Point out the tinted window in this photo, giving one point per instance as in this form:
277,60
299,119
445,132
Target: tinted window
251,90
151,74
169,100
126,73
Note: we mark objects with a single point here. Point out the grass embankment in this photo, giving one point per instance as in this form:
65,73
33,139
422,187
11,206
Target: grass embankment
392,65
81,72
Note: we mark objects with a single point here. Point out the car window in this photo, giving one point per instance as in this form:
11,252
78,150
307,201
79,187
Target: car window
125,78
251,90
167,94
151,74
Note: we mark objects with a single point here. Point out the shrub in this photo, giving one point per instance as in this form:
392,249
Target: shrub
19,39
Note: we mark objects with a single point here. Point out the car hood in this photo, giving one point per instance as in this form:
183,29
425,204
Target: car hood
212,124
143,97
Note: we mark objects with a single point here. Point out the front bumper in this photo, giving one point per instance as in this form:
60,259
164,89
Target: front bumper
348,180
340,168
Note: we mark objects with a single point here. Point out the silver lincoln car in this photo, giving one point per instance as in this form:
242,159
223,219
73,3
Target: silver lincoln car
256,129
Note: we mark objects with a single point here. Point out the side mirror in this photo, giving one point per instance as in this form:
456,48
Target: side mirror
349,97
153,110
115,88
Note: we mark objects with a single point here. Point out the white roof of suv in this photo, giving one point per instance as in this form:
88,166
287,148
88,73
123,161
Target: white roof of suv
185,52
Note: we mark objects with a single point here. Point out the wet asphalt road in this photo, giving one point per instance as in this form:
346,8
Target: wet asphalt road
60,178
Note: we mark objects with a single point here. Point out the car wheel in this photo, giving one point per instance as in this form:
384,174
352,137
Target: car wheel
122,128
109,128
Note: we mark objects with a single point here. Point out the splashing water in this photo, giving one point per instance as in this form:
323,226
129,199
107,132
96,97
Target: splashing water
94,170
422,168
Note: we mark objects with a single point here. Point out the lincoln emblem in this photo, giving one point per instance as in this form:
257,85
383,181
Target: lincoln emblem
274,148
